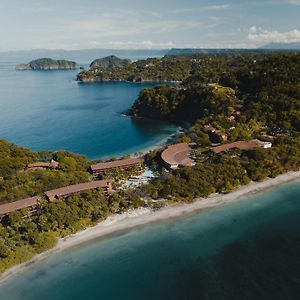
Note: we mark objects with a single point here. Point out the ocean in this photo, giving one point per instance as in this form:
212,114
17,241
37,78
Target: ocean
241,251
49,110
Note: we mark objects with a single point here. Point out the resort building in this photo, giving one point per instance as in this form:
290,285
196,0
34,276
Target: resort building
60,193
220,135
177,155
242,145
42,165
265,145
53,195
97,169
231,118
30,203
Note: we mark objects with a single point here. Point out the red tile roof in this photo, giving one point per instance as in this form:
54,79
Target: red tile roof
40,164
13,206
243,145
65,191
178,154
77,188
116,164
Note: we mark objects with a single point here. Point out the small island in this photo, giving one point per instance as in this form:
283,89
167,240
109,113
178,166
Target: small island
110,62
48,64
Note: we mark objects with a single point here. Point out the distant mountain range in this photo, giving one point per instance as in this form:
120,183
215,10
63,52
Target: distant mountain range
269,47
191,51
282,46
85,56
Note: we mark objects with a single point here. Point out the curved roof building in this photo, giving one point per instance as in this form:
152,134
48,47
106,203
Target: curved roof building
177,155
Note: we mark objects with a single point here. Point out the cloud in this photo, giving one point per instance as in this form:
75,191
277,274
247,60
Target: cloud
104,27
259,35
202,9
294,2
141,45
217,7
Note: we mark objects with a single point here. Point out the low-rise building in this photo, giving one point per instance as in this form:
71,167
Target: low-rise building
42,165
63,192
177,155
265,145
242,145
54,195
220,135
231,118
29,203
98,168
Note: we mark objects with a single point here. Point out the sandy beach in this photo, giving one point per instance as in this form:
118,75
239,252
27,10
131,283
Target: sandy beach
141,216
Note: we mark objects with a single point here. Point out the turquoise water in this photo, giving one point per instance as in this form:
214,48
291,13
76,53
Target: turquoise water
50,111
246,250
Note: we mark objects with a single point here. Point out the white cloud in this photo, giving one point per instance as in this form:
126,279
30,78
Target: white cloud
141,45
294,2
259,35
202,9
95,29
217,7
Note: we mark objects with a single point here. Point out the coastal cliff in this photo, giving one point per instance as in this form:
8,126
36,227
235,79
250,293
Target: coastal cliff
48,64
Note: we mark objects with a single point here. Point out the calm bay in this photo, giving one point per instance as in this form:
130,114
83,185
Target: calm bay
45,110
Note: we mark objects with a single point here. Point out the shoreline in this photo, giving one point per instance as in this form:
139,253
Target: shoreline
162,143
127,81
142,216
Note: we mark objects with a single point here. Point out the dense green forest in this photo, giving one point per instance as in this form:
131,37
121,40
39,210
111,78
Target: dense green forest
17,183
22,236
245,96
222,173
151,69
267,86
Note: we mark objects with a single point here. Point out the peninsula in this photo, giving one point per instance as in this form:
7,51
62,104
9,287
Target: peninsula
243,114
147,70
48,64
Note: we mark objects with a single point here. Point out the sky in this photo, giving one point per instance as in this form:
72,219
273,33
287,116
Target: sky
141,24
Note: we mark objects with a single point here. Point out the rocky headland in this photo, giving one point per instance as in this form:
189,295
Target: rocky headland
110,62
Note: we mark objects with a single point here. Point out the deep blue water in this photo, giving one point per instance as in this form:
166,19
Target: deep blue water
244,251
50,111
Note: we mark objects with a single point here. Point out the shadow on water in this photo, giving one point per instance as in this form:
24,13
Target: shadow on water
87,106
152,127
266,267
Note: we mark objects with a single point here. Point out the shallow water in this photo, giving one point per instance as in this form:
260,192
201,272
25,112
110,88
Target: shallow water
245,250
50,111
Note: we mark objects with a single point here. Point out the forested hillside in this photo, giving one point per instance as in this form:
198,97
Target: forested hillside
244,97
17,183
265,88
